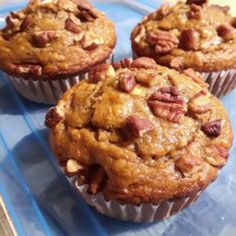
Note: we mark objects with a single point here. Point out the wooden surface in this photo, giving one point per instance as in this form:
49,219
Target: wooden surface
6,225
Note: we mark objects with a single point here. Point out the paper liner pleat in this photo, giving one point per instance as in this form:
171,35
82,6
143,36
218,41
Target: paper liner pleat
220,82
143,213
47,91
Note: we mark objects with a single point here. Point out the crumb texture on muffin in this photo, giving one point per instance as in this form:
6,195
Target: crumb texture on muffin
194,35
140,132
53,38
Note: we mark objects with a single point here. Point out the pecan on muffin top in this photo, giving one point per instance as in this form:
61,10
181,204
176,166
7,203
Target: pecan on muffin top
188,35
140,133
55,38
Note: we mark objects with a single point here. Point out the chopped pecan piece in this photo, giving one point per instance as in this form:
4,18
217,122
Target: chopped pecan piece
163,41
124,63
140,34
163,11
199,104
226,31
86,11
42,38
167,103
144,62
197,2
190,39
139,126
97,179
91,41
188,164
72,24
72,167
52,118
233,22
216,155
195,12
212,129
29,69
100,72
25,23
127,81
196,77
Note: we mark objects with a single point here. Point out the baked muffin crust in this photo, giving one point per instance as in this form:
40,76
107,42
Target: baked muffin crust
55,38
163,138
188,35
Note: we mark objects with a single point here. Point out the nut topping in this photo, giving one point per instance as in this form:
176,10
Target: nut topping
196,77
124,63
52,118
177,63
42,38
86,11
197,2
72,167
72,24
25,23
127,81
212,129
29,69
166,103
163,41
216,155
195,12
226,31
139,126
141,33
144,62
91,41
100,72
163,11
187,164
190,39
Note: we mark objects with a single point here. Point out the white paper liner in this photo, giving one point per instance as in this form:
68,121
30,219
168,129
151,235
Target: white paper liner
142,213
48,91
220,82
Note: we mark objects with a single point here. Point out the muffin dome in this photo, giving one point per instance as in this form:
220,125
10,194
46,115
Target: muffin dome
188,35
55,38
140,133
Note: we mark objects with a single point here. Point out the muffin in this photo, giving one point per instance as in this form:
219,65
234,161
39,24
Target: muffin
49,46
140,141
191,35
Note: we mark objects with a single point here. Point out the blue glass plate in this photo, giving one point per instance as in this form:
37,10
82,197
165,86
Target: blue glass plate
39,198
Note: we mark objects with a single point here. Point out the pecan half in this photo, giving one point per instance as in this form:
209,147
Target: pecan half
29,69
190,39
212,129
195,12
139,126
196,77
52,118
91,41
188,164
167,104
163,41
197,2
100,72
124,63
144,62
42,38
216,155
226,31
127,81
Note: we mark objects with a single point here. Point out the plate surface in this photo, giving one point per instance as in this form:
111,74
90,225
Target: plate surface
38,196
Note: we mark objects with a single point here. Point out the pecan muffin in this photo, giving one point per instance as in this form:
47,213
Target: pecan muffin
192,35
142,141
50,45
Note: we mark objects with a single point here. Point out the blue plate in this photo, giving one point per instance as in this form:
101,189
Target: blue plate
40,199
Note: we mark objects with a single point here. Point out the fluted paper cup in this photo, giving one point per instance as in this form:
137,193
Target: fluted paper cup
145,212
46,91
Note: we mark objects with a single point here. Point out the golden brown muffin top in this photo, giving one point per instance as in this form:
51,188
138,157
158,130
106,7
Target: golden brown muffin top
188,35
140,132
55,38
